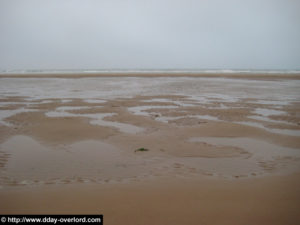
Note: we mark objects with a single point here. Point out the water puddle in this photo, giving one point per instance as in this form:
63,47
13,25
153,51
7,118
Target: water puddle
30,163
271,130
265,157
94,101
66,100
5,104
220,106
210,97
63,111
262,118
199,99
268,112
260,149
167,119
142,110
271,102
96,119
70,108
158,100
206,117
178,103
8,113
123,127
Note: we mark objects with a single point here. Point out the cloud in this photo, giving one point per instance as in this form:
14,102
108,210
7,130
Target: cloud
65,34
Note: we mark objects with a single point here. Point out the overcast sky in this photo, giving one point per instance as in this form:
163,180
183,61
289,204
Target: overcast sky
102,34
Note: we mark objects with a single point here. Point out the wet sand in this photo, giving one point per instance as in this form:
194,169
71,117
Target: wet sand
271,200
228,148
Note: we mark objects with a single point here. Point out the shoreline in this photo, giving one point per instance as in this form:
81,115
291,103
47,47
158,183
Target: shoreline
257,76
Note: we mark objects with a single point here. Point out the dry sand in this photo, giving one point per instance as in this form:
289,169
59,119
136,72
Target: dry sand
220,150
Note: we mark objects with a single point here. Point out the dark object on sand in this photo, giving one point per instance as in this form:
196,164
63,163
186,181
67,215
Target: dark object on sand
141,150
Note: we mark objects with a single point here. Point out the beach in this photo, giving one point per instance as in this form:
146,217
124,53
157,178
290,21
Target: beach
152,149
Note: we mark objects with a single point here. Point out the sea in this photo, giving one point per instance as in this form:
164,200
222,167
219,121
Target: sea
147,71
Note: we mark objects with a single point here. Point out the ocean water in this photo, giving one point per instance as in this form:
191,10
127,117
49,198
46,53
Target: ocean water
196,88
155,71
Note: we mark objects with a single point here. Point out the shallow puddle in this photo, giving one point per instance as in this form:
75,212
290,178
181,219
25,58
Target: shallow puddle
271,130
94,101
96,119
27,162
183,103
142,110
268,112
8,113
122,127
271,102
265,157
267,119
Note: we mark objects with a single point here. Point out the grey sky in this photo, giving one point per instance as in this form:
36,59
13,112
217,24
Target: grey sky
218,34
